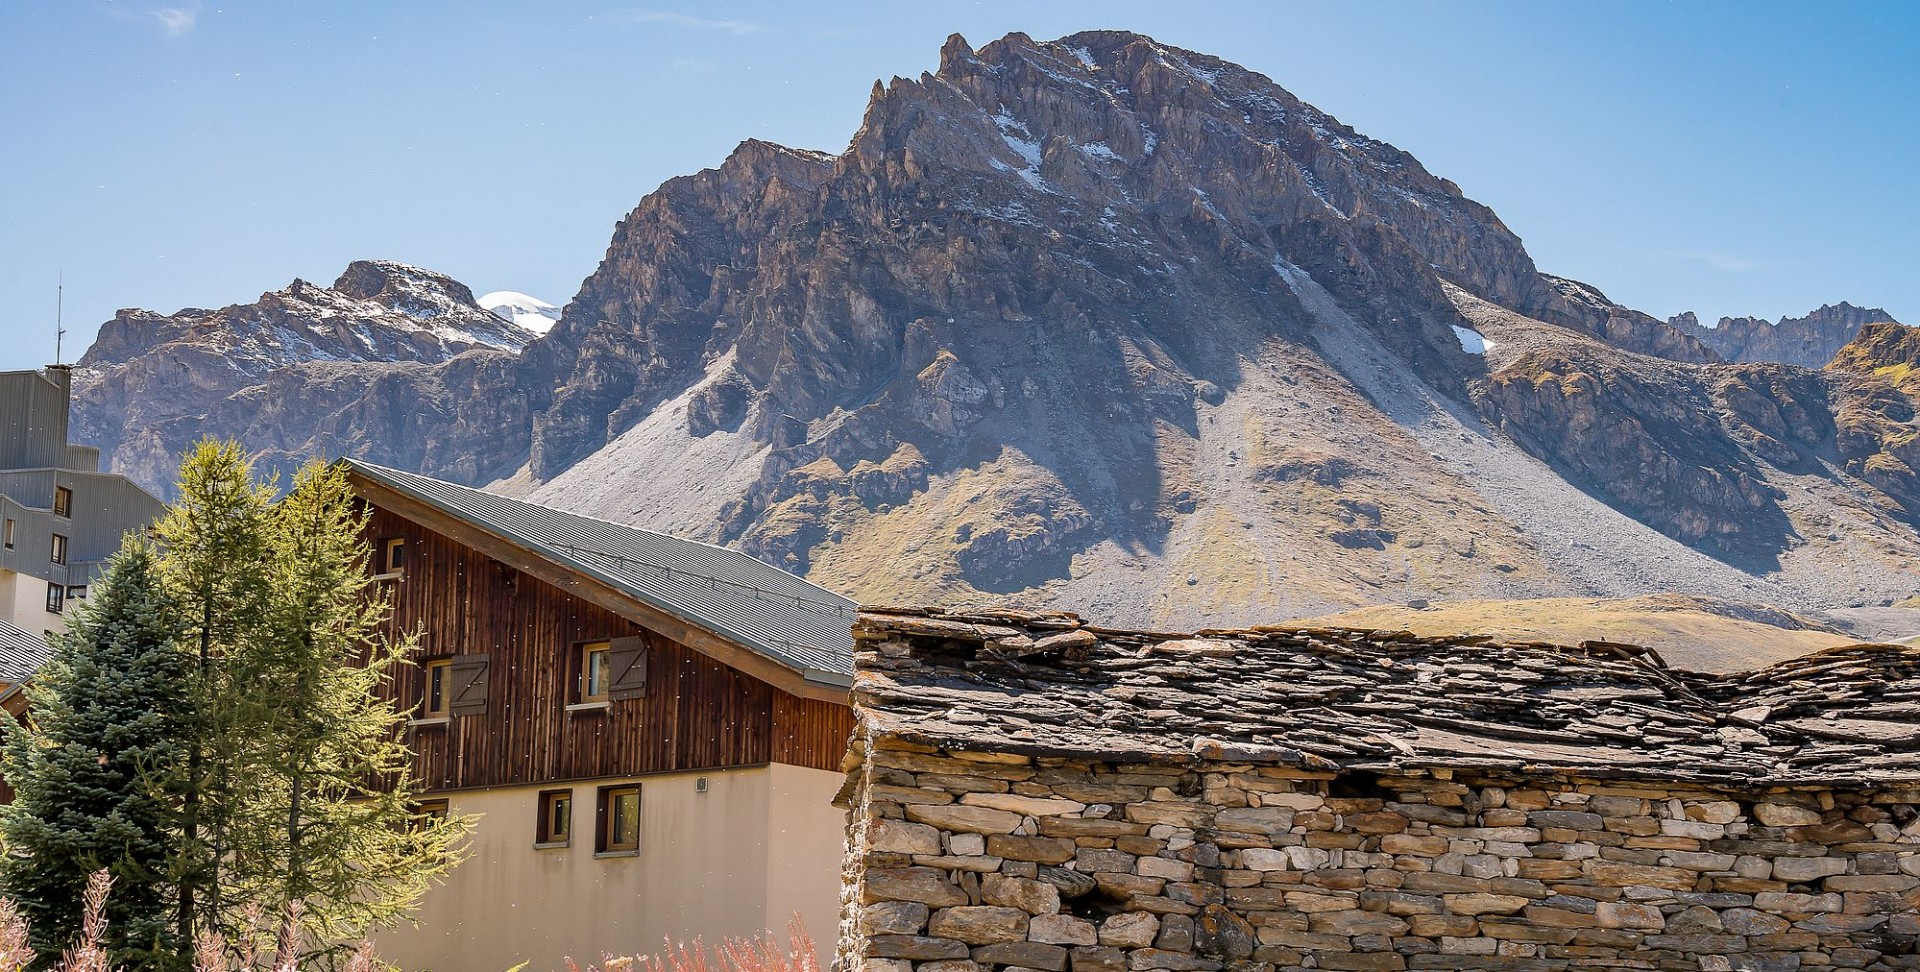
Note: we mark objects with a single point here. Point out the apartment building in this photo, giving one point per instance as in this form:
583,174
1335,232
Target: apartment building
60,516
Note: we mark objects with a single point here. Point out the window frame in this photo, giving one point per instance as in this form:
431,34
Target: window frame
544,833
76,592
56,598
9,533
607,818
584,673
381,558
436,807
63,502
442,667
57,549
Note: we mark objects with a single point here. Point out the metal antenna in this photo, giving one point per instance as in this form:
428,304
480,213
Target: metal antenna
59,313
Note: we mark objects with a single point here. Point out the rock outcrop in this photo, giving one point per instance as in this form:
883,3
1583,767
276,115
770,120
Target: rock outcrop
1874,423
1885,349
1626,328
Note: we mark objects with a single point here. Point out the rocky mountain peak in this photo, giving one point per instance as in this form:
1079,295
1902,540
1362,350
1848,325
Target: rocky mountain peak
1109,127
1846,310
147,369
1086,184
405,288
956,50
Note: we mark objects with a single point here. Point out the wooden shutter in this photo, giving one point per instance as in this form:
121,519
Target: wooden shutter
627,668
467,686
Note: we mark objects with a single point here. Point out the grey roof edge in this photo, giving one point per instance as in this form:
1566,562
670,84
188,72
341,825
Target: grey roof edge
21,652
397,480
823,677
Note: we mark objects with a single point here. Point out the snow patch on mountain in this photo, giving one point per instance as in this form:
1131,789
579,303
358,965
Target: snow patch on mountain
1021,142
1471,341
514,307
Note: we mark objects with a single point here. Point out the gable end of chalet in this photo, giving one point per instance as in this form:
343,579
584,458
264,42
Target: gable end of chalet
554,647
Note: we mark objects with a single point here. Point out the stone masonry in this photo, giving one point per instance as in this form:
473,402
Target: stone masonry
1029,793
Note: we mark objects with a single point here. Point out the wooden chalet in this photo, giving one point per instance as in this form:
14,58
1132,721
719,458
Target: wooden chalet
650,729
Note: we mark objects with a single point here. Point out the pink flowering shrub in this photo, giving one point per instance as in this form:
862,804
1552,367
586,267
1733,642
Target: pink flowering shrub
758,954
211,953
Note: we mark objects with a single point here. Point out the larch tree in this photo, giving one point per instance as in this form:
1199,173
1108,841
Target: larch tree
328,819
214,558
95,770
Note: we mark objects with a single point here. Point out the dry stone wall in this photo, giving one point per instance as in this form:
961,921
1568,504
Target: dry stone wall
972,861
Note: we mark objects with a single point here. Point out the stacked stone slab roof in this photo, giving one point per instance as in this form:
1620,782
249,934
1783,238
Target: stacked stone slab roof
1046,684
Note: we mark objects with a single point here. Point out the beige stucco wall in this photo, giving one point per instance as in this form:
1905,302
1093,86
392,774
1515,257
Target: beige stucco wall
734,861
803,866
23,601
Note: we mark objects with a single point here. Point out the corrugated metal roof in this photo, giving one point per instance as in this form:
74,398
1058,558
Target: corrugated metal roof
797,624
21,653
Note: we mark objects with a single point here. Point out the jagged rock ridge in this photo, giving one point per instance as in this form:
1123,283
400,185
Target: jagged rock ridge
1809,341
1130,329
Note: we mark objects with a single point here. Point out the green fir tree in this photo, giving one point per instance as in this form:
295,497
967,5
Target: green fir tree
95,770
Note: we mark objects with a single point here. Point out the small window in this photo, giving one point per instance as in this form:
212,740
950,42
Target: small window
77,592
439,688
393,556
9,533
59,549
56,598
430,811
593,671
62,501
556,818
619,820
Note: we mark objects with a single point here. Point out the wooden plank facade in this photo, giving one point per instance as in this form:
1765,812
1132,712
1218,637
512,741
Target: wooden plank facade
694,713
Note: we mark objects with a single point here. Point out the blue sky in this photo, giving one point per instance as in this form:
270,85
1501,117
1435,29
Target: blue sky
1737,158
